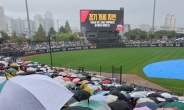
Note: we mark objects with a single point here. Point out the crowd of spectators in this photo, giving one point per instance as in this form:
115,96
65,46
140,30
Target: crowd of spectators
42,45
154,41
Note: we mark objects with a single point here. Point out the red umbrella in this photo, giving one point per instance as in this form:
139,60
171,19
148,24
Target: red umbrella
106,82
66,79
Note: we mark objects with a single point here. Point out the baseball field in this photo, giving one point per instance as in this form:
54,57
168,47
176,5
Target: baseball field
132,60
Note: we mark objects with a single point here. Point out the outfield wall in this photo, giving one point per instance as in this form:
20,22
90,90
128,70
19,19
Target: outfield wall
98,46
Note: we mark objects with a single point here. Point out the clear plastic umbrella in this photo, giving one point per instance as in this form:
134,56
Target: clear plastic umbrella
33,92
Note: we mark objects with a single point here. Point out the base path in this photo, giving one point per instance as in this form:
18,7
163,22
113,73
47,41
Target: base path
134,79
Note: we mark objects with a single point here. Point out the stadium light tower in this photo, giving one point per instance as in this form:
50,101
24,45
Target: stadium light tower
28,20
153,17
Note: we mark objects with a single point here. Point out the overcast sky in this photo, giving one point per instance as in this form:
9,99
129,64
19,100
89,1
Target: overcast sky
136,11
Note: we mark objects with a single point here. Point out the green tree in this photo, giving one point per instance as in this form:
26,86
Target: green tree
14,37
4,37
62,30
40,34
67,27
71,38
51,31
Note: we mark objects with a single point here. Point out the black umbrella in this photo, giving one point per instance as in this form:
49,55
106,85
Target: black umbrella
126,88
119,95
175,98
162,104
81,95
155,95
139,89
83,78
2,73
110,88
54,75
120,105
169,99
1,64
154,99
77,108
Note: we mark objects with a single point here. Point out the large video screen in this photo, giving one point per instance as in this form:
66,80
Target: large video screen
102,20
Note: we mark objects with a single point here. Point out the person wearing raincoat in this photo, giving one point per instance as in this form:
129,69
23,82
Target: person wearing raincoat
87,89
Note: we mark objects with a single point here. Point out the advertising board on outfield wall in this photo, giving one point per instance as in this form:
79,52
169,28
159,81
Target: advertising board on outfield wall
102,20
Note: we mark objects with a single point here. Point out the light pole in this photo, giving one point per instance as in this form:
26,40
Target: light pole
28,20
50,53
153,17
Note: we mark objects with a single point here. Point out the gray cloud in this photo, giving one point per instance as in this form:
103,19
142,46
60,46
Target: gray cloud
136,11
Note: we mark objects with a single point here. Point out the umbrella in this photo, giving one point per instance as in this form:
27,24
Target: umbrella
69,85
5,63
119,95
106,82
126,95
162,104
142,100
175,98
81,95
166,95
167,109
95,105
169,100
175,104
154,95
77,108
100,98
2,73
120,105
13,64
126,88
111,98
150,92
76,80
138,94
161,99
22,93
151,105
85,81
11,70
66,79
1,64
142,108
154,99
110,88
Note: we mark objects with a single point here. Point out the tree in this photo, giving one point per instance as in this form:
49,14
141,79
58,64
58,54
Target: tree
62,30
14,37
67,27
71,38
51,31
40,34
4,37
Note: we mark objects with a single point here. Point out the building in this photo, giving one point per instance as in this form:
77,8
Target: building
180,31
143,27
2,21
17,25
126,27
26,27
8,24
169,22
47,22
38,19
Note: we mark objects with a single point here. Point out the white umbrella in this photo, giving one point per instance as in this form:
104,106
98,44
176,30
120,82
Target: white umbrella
150,92
141,100
5,63
33,92
166,95
99,98
111,98
138,94
161,99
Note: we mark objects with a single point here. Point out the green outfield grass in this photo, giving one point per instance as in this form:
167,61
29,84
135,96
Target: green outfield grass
132,59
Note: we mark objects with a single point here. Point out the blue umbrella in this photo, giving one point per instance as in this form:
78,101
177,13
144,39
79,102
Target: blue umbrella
2,73
151,105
